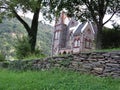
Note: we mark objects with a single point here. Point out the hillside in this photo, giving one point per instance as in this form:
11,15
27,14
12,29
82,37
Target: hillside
11,28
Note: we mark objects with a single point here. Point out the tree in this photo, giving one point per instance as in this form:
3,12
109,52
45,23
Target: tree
10,8
94,10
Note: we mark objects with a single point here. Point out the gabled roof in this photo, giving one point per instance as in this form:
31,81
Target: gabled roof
79,29
82,27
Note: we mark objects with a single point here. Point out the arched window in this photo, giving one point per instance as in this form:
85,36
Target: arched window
64,52
88,43
57,34
71,36
77,43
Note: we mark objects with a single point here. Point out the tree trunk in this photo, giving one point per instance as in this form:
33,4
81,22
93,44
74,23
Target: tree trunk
32,31
99,36
32,40
34,28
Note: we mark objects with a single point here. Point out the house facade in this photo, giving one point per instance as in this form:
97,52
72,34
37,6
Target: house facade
71,36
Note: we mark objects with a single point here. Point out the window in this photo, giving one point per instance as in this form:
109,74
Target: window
71,36
88,43
76,43
57,35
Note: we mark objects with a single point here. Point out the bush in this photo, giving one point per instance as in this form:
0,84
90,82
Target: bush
5,64
23,49
111,38
2,57
20,65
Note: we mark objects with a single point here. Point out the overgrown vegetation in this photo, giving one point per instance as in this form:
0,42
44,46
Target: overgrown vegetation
11,28
55,79
23,49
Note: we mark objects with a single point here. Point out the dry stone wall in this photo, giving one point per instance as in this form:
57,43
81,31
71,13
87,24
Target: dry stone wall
97,63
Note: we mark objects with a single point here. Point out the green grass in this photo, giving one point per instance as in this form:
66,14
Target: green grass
54,80
108,50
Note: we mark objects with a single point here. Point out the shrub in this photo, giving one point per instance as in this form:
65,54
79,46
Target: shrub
2,57
5,64
23,49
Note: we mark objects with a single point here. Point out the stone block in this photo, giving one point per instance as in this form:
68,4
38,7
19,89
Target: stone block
92,60
107,69
97,70
112,65
87,66
74,63
96,64
106,55
101,62
115,57
57,65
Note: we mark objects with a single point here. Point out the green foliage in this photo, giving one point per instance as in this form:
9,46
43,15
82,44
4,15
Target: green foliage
20,65
23,49
66,62
111,38
10,28
10,9
2,57
5,64
55,79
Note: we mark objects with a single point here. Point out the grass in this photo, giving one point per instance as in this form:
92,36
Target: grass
107,50
54,79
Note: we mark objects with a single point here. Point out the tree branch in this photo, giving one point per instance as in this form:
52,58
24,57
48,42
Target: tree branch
22,21
109,18
3,7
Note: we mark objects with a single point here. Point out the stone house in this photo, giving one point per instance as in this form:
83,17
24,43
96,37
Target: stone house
71,36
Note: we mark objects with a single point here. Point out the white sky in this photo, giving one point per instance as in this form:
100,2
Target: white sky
30,15
109,24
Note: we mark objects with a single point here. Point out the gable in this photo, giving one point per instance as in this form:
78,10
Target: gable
88,27
79,29
84,26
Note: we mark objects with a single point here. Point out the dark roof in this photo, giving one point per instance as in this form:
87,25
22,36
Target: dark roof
78,31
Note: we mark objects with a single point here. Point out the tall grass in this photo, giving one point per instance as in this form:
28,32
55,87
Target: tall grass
54,79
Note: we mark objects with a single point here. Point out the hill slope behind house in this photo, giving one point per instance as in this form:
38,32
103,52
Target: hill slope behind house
11,28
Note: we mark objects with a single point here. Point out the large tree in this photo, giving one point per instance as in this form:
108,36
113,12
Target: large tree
94,10
10,8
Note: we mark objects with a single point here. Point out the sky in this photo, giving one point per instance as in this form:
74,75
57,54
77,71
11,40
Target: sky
109,24
30,15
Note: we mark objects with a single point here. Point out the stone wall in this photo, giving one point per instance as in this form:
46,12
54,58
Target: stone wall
97,63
